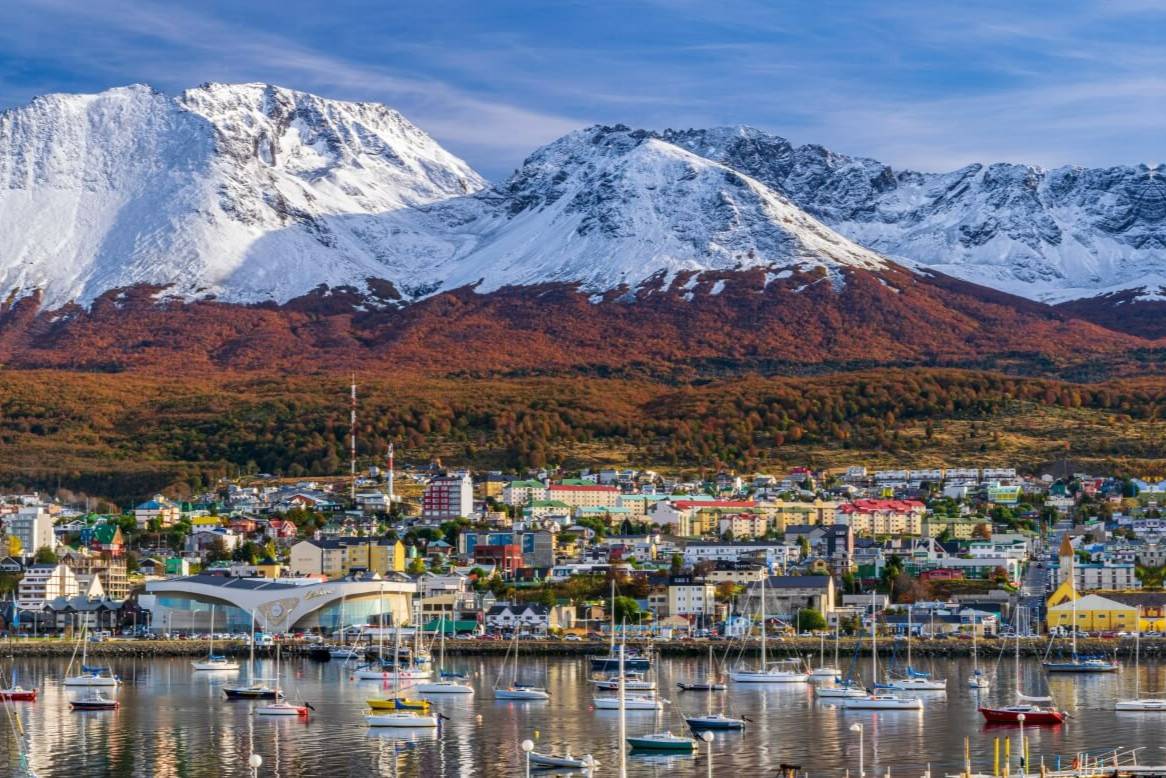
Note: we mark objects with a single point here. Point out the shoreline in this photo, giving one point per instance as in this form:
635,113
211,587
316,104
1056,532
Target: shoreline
786,647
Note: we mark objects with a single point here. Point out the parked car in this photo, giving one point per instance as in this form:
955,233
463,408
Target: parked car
573,638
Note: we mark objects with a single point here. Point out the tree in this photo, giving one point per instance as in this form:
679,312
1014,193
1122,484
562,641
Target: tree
45,556
626,610
804,546
809,619
727,591
416,566
677,564
982,532
216,551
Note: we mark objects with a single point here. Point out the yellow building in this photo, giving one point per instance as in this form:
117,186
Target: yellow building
1117,612
338,557
783,513
960,528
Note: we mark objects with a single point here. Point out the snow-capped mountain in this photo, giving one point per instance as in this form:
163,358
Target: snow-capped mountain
1050,235
247,191
252,192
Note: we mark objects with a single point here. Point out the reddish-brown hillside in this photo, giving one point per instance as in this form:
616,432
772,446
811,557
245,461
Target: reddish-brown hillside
717,322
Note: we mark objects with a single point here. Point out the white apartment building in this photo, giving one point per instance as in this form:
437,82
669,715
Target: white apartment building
448,497
42,583
33,526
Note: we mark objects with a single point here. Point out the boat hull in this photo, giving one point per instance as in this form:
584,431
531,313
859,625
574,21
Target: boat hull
398,704
1141,706
250,694
443,688
714,722
401,721
1012,715
281,710
1081,667
566,762
749,677
612,703
839,692
882,703
611,664
652,744
631,686
702,687
104,705
214,666
521,694
18,695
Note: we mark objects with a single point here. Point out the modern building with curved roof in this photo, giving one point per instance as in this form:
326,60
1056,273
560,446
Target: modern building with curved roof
279,605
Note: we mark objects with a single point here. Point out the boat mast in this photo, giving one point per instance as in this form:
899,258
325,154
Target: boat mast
623,724
613,616
710,681
764,663
1137,652
381,625
1074,620
909,608
874,647
251,661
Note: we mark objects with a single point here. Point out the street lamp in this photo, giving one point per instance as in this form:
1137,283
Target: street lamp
527,747
857,727
707,737
1023,766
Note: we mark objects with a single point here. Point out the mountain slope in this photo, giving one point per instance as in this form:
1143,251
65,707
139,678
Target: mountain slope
1050,235
226,189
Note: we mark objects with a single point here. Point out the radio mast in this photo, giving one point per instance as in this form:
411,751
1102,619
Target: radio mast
352,441
389,476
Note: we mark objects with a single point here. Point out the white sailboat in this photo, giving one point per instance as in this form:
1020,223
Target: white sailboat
383,671
824,671
978,679
443,685
786,671
876,700
913,681
516,691
281,707
214,661
402,718
1140,704
89,676
621,700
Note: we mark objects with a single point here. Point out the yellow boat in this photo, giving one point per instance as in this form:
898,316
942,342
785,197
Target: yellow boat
398,703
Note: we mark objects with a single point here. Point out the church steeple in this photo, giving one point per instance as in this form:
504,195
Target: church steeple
1068,559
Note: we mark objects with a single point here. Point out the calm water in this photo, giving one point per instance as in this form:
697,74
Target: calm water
177,723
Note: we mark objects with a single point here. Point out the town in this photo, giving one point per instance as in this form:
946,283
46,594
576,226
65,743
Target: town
482,555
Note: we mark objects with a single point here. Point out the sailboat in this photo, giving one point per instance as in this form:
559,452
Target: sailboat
516,691
568,762
611,661
1139,703
824,670
94,700
767,672
214,661
253,690
842,687
632,681
90,676
1079,664
977,680
621,700
440,686
402,717
1036,710
397,702
710,684
281,707
876,700
912,680
711,720
381,669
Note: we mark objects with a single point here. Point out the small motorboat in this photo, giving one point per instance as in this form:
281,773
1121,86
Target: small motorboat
215,662
521,693
632,682
94,701
714,721
630,702
1149,705
702,686
18,694
662,741
914,684
398,703
255,691
283,708
845,690
91,679
444,687
401,720
585,762
881,702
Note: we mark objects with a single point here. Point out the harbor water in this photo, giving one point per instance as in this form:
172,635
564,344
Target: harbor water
176,722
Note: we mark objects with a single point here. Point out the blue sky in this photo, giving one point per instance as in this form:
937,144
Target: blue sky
929,85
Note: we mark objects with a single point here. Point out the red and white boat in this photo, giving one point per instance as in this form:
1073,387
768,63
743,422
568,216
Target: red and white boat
17,694
1033,714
